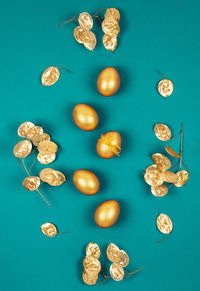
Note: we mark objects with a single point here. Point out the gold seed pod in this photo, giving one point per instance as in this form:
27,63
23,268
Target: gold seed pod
22,149
159,191
171,152
31,183
36,140
91,265
50,76
164,223
161,161
34,132
93,250
113,13
23,128
165,87
113,253
107,213
108,82
124,261
52,177
162,132
85,20
116,271
182,177
46,159
152,167
86,182
85,117
89,279
110,27
109,145
89,40
49,229
47,147
110,43
78,34
153,177
169,177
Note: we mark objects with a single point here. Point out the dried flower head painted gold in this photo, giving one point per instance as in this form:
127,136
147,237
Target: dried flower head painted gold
40,141
110,27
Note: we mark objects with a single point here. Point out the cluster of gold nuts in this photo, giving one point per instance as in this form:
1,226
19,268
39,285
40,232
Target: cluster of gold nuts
92,265
111,29
35,136
158,173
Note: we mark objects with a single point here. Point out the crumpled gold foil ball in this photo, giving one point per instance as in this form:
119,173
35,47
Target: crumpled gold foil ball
91,265
110,43
89,40
159,191
52,177
46,159
124,260
161,161
89,279
164,223
22,149
78,34
109,145
93,250
47,147
153,177
165,87
116,271
113,13
36,140
50,76
31,183
182,177
49,229
24,127
110,27
162,132
85,20
113,253
34,132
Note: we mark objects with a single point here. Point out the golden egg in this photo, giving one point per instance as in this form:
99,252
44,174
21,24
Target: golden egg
85,117
107,213
86,182
109,145
108,82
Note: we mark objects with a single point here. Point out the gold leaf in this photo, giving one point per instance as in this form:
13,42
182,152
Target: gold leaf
91,265
169,177
31,183
34,132
124,260
52,177
113,13
78,34
110,43
85,20
162,162
37,139
49,229
165,87
47,147
89,279
50,76
110,27
22,149
46,159
23,128
93,250
153,177
89,40
113,253
116,271
171,152
182,177
162,132
164,223
159,191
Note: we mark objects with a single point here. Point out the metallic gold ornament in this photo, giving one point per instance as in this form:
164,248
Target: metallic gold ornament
113,13
153,177
114,254
162,132
182,177
23,128
91,265
50,76
85,20
107,213
93,250
31,183
171,152
22,149
116,271
110,43
34,132
86,182
161,161
89,40
110,26
47,147
36,140
85,117
49,229
124,261
159,191
89,279
46,159
165,87
109,145
78,34
52,177
169,177
164,223
108,81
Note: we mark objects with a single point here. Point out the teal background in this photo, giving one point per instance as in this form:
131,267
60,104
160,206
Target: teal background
155,35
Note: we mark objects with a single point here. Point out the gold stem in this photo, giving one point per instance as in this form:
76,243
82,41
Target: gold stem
32,164
72,19
163,239
25,167
175,135
64,232
43,197
181,146
131,273
99,10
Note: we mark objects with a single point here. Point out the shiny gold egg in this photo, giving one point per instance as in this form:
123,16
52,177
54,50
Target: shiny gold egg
107,213
85,117
108,82
86,182
109,145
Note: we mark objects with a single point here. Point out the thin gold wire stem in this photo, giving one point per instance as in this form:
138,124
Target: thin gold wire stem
131,273
32,164
99,11
25,167
72,19
64,232
181,146
175,136
162,239
185,165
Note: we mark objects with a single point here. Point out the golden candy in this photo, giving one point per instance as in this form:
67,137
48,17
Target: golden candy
171,152
46,159
89,279
22,149
50,76
110,27
23,128
37,139
161,161
108,81
162,132
110,43
85,20
153,177
169,177
182,177
85,117
86,182
165,87
113,13
89,40
49,229
107,213
116,271
34,132
47,147
52,177
114,254
109,145
164,223
159,191
91,265
78,34
124,261
31,183
93,250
